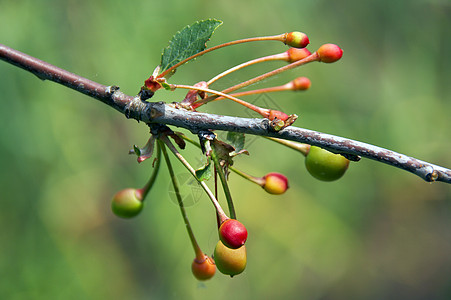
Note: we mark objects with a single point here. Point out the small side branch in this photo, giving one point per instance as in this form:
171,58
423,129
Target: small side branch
159,112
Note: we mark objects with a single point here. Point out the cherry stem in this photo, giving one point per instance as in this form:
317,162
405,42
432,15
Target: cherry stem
285,87
280,37
185,163
218,221
224,183
199,254
183,136
262,111
303,148
216,183
145,190
279,56
258,180
308,59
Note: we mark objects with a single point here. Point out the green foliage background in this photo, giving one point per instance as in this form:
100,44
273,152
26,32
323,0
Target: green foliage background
379,233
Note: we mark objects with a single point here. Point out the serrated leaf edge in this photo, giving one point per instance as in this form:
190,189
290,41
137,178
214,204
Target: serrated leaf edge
186,28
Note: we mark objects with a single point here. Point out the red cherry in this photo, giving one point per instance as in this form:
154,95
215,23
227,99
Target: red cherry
233,233
329,53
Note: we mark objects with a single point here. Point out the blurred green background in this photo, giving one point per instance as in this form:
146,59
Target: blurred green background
378,233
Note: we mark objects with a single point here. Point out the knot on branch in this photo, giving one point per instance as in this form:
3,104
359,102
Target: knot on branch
110,90
432,176
136,109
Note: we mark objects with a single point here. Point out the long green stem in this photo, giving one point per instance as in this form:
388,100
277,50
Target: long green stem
303,148
258,180
221,174
224,183
183,136
145,190
199,254
185,163
218,221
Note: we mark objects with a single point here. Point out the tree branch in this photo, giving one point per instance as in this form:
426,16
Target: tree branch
169,114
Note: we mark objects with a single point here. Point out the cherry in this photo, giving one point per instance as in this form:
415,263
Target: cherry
301,84
275,183
295,54
325,165
297,39
203,269
230,261
127,203
233,233
329,53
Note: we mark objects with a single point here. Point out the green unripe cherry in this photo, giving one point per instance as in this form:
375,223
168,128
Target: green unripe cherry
325,165
127,203
230,261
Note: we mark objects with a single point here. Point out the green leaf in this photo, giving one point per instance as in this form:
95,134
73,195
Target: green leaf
236,139
204,173
190,40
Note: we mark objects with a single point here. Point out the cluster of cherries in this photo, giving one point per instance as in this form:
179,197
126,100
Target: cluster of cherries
230,252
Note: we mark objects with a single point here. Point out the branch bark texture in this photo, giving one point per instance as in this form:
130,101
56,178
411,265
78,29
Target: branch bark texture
169,114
